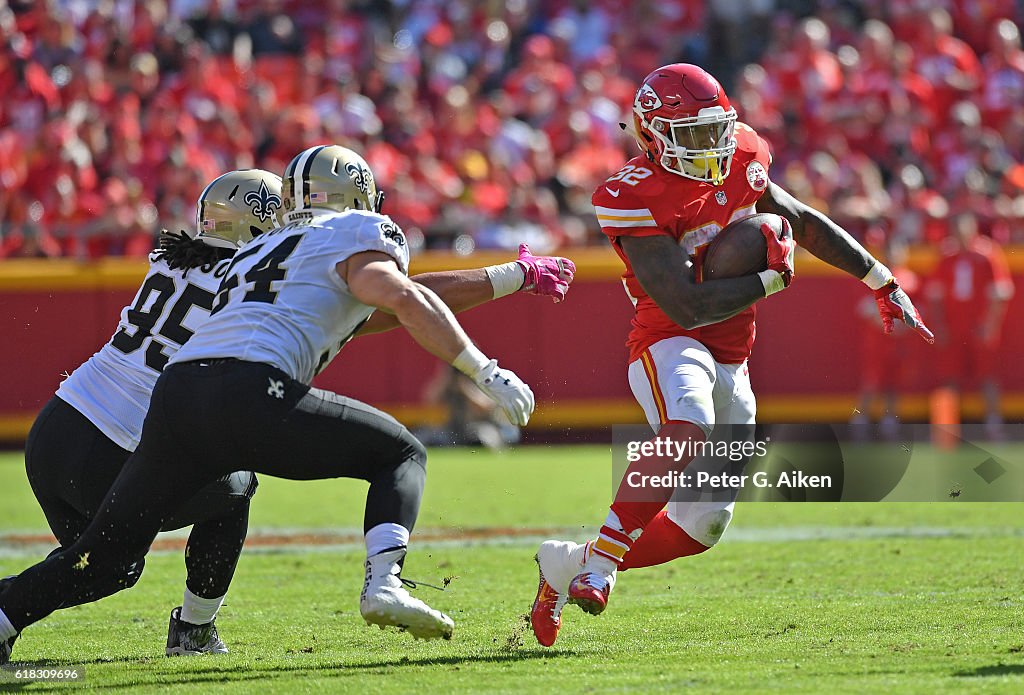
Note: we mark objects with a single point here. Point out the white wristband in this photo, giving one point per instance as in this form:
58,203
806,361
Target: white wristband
879,276
506,279
471,362
772,281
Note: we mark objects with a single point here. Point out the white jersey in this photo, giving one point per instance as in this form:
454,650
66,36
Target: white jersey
281,301
112,388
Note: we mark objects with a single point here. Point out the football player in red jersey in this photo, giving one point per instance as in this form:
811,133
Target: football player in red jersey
698,171
970,289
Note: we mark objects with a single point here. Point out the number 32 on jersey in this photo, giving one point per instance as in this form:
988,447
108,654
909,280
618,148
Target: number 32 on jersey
630,175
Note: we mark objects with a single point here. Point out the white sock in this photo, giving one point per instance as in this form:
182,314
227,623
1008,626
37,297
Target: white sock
600,564
198,610
7,630
385,537
612,521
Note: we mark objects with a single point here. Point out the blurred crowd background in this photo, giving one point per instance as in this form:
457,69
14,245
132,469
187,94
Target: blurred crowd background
489,123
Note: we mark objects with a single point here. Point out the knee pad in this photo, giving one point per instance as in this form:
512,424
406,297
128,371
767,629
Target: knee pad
225,497
240,484
705,522
415,451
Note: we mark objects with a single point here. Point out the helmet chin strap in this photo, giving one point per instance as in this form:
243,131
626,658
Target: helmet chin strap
706,167
713,168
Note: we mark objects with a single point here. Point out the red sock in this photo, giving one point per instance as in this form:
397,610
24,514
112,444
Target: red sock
661,542
635,507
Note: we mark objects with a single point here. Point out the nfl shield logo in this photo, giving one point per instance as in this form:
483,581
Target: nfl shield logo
720,197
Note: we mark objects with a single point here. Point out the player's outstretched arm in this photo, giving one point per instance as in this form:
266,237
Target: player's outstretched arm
548,276
374,279
817,233
660,265
460,290
831,243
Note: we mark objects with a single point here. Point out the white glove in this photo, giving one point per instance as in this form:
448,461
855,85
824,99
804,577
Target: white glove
509,391
501,385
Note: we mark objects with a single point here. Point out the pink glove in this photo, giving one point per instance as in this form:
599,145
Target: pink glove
546,275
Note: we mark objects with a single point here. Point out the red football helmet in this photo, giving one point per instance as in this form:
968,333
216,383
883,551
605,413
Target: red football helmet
684,121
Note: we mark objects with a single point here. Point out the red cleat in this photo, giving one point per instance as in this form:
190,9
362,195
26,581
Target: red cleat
545,616
557,563
590,590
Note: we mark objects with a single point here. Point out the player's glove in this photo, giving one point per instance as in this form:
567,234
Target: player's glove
780,258
546,275
508,391
501,385
893,303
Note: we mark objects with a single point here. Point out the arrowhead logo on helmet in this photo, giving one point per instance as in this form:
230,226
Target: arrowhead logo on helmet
647,99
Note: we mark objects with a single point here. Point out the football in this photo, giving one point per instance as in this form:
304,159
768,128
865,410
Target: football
739,249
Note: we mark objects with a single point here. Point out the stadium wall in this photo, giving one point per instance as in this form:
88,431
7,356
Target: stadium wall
806,364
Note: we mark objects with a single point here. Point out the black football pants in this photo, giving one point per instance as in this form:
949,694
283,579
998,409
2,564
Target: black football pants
71,465
207,419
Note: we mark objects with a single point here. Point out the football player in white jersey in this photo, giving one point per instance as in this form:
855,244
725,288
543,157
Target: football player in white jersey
87,431
237,394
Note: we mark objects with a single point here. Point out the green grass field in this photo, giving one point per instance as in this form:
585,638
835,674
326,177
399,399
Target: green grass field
799,597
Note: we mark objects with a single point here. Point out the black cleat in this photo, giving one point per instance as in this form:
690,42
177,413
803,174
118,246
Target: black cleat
186,639
7,646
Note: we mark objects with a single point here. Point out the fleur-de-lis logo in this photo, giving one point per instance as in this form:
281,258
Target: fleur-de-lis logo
360,175
263,203
391,231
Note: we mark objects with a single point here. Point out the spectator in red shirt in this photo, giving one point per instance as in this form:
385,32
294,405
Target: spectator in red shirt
200,89
861,201
1003,87
974,18
757,97
970,290
809,71
949,64
539,71
917,212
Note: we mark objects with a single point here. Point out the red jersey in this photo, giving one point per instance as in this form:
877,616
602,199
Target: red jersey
967,279
643,199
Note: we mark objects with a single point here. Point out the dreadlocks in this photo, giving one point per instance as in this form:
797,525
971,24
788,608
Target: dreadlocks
181,251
